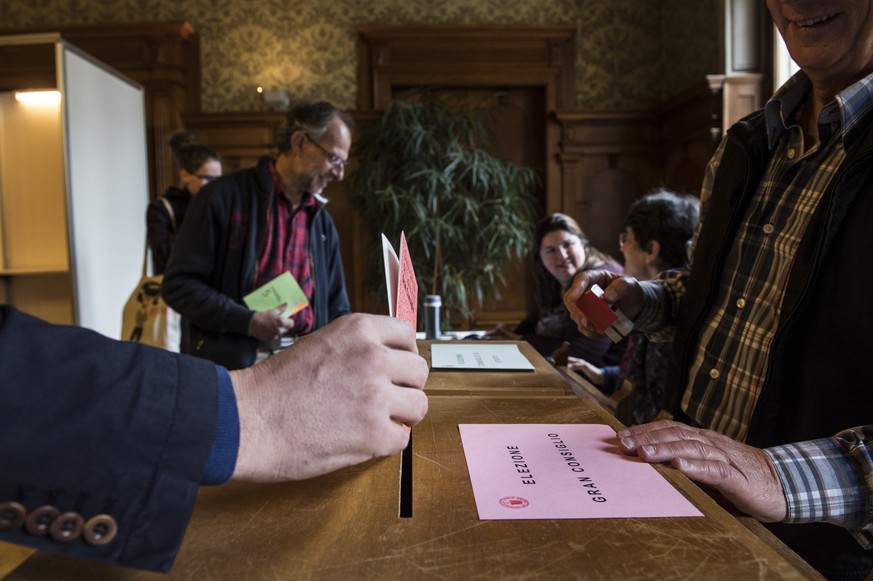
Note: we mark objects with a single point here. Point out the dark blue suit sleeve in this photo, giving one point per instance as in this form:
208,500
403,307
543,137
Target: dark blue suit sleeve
102,430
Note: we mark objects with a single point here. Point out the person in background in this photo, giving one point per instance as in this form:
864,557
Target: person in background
770,385
198,165
655,238
247,228
561,251
104,443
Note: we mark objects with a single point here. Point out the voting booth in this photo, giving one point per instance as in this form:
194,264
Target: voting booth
73,183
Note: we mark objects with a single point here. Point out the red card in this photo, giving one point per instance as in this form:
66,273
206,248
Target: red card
400,281
407,287
597,310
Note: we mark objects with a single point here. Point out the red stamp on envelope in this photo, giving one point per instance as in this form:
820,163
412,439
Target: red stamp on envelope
607,318
514,502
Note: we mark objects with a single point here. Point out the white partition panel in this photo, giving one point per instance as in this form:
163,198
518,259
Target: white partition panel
107,188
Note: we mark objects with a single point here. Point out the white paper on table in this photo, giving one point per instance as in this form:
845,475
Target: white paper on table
563,471
484,356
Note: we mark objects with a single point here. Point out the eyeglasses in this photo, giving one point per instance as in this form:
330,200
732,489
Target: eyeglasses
333,159
622,239
206,178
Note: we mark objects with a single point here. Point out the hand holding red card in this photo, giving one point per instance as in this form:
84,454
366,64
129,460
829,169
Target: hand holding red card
607,318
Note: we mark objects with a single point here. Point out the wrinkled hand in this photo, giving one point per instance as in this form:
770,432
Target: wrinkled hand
742,474
268,325
335,398
501,331
623,291
592,372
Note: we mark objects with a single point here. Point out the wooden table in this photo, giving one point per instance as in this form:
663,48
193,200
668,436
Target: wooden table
544,380
346,525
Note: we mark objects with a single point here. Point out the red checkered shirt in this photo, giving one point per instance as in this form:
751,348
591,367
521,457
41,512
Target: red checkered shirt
287,247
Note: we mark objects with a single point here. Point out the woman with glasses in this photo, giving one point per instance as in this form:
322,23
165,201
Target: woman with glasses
561,251
655,239
198,165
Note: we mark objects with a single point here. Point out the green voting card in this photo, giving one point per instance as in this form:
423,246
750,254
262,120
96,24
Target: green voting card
282,289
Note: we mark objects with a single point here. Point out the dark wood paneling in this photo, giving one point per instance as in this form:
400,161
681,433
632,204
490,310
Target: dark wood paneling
609,159
533,65
605,161
467,56
593,164
28,67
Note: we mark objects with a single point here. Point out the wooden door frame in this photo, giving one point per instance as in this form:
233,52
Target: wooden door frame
473,57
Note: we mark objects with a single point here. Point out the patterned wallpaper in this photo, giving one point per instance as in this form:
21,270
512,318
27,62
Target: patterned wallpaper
628,50
691,43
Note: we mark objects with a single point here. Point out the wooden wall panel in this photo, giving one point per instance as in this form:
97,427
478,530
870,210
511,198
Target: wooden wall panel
608,160
27,66
465,56
533,65
240,138
593,164
605,162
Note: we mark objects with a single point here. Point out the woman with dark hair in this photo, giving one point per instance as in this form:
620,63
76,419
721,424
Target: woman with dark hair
561,251
655,239
198,165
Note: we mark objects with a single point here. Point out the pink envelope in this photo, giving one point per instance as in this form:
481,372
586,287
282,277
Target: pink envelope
557,471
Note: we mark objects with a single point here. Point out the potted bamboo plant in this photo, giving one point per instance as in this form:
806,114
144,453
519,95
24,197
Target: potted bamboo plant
430,169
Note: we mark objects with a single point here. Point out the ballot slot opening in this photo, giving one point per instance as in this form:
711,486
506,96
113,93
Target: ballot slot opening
406,480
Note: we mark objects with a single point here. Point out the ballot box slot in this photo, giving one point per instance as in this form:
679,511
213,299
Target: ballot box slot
406,481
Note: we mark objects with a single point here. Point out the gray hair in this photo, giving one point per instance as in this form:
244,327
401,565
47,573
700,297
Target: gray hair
313,119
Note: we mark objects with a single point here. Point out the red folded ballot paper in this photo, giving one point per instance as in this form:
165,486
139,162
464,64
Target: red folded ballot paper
607,318
400,281
401,284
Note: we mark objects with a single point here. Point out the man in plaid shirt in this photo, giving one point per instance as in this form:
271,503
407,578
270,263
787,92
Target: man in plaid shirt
770,380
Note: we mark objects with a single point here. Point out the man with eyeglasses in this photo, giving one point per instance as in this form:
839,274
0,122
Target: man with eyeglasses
249,227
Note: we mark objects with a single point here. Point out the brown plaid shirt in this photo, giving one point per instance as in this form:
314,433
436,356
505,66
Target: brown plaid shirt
830,479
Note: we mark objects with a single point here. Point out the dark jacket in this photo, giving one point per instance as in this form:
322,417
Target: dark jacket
100,427
820,377
162,228
548,329
600,351
214,264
